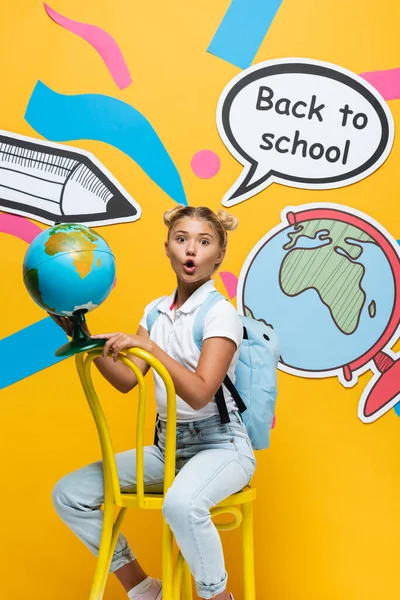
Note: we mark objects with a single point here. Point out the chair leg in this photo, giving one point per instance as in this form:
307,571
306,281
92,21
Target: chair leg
167,562
187,583
182,584
178,576
248,552
103,559
116,531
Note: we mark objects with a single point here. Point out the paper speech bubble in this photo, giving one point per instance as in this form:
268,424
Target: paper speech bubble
303,123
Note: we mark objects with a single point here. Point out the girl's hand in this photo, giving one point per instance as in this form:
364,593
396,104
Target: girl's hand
67,324
64,322
119,341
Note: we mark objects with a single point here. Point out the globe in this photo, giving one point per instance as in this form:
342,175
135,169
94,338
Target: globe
326,280
69,268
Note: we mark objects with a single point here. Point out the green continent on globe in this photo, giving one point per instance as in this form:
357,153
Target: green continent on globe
74,238
32,283
329,269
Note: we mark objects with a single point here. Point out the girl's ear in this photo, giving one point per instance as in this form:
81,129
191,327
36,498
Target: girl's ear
166,248
221,256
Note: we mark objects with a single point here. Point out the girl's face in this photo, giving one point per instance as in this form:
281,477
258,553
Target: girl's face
193,249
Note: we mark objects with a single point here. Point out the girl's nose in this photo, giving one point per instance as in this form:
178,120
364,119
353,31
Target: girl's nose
191,249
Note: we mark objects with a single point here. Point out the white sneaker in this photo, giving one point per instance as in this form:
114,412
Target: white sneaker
153,593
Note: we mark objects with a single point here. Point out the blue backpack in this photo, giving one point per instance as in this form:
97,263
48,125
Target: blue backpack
255,387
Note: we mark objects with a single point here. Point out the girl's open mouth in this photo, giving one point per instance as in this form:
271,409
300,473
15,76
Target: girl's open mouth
189,267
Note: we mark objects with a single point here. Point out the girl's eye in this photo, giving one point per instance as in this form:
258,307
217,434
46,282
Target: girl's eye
204,242
180,238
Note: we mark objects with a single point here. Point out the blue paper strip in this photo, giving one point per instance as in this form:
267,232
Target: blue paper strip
242,30
62,118
29,350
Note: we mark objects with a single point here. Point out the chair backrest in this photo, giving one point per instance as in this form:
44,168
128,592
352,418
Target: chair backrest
111,481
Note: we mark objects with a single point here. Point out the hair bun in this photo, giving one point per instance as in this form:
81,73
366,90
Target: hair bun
228,222
172,214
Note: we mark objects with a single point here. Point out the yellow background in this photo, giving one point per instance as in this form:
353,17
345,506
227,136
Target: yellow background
327,516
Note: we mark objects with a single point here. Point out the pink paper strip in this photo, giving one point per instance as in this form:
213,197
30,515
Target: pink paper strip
230,282
101,41
386,82
19,227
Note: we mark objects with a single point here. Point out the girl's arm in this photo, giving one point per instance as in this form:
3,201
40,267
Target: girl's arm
198,388
119,375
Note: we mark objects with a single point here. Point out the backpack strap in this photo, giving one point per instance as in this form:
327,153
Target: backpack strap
153,314
221,405
155,442
198,327
235,395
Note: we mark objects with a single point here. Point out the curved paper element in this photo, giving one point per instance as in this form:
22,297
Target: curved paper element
386,82
101,41
39,341
19,227
60,117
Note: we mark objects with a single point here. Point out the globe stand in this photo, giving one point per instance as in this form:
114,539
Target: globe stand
81,341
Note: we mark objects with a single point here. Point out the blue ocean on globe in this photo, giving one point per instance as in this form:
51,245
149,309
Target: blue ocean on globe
69,267
287,292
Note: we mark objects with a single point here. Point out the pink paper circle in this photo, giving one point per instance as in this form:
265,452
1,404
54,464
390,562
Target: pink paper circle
205,164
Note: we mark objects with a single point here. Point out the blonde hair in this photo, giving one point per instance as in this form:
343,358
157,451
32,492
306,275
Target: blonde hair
221,221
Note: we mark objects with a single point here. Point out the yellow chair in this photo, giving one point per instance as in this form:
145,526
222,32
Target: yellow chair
178,578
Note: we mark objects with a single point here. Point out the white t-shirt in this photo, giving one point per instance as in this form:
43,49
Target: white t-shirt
174,334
